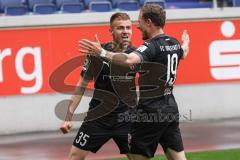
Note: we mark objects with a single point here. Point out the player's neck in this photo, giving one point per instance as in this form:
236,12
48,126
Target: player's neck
156,32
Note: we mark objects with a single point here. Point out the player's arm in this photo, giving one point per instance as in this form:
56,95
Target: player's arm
185,43
94,48
122,58
75,100
86,76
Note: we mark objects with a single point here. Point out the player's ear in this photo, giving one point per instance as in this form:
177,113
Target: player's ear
149,21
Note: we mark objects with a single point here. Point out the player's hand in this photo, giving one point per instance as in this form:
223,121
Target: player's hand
66,126
89,47
185,37
185,43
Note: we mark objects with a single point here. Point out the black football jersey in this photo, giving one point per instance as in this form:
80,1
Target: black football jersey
160,59
98,69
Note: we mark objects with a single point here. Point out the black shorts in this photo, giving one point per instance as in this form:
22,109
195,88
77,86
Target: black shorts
149,131
93,134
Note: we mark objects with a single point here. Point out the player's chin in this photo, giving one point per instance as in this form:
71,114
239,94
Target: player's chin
125,43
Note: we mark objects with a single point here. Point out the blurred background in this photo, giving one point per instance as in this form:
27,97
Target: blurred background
39,36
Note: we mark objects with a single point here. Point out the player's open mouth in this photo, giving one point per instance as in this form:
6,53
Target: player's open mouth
125,38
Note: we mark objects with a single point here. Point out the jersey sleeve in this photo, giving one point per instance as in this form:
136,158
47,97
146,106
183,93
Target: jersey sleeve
146,52
181,52
87,69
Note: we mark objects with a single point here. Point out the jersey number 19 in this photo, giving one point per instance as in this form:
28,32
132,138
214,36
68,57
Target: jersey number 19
172,68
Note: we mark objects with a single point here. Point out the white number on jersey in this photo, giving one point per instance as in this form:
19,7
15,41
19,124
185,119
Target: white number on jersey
172,68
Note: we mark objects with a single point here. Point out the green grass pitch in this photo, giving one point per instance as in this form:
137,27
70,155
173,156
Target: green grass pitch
231,154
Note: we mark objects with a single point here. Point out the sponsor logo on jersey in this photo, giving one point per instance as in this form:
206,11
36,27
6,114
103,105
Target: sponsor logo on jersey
142,48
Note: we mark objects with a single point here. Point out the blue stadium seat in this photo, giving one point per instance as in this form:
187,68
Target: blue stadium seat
229,3
128,5
141,2
32,3
12,6
87,2
59,3
185,5
44,9
114,3
15,10
159,2
10,2
179,1
236,3
72,8
100,6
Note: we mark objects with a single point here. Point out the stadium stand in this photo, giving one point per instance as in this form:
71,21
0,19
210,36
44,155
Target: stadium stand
15,10
42,6
100,6
128,5
224,3
114,3
59,3
13,7
25,7
87,2
44,9
188,4
70,6
159,2
141,2
236,3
